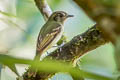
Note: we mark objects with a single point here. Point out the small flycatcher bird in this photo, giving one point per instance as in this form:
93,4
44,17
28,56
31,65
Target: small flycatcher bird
51,32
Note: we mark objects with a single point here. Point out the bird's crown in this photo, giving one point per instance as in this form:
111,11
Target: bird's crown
59,16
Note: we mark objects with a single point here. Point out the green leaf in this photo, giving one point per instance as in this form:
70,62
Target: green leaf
7,14
53,66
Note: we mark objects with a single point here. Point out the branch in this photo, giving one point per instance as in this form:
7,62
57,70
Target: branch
107,16
78,46
44,8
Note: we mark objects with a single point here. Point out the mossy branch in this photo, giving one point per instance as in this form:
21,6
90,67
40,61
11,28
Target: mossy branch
107,16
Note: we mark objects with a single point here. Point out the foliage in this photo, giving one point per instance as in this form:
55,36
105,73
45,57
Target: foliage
52,66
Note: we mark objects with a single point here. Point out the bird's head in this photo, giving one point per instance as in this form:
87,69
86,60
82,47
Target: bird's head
59,16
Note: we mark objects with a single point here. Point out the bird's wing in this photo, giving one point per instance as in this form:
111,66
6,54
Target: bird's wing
44,41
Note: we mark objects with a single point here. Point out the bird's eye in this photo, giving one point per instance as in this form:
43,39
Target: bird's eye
61,15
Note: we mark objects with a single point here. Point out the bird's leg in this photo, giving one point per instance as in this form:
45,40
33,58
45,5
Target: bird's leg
60,46
54,46
47,52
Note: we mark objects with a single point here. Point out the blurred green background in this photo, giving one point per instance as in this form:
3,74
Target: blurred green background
19,38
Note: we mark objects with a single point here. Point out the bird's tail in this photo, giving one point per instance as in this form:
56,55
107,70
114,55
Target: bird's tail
38,55
36,58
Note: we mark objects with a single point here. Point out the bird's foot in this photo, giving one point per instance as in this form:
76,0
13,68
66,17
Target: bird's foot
60,46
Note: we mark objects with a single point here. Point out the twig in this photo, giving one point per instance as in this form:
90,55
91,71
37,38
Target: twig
44,8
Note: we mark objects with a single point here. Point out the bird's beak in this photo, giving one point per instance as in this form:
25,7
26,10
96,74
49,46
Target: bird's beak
70,16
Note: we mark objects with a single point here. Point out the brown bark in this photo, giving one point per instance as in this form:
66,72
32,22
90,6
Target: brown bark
107,16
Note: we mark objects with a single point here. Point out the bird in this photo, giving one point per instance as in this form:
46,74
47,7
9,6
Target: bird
51,32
